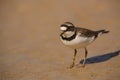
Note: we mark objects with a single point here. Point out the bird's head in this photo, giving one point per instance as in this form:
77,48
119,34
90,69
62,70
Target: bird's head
67,26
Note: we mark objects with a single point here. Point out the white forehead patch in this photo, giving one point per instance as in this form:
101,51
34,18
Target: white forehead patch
63,28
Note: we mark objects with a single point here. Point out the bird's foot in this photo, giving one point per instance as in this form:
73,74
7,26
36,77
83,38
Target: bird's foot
83,66
80,66
71,66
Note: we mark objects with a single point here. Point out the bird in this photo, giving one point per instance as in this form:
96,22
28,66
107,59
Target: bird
78,37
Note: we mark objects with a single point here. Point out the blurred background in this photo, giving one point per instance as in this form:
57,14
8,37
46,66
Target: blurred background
30,48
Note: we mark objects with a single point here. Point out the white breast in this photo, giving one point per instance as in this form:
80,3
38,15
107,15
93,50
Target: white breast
78,42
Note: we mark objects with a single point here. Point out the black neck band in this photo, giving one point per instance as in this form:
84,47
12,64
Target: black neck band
69,38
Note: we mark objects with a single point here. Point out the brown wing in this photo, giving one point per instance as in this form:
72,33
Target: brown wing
86,32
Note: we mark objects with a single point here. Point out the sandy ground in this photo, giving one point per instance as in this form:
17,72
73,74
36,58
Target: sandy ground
30,48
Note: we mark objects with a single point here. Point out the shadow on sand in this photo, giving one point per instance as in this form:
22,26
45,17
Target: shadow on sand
101,58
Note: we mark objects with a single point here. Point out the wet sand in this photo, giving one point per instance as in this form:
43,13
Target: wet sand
31,49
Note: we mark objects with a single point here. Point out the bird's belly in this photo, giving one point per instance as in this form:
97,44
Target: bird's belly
78,42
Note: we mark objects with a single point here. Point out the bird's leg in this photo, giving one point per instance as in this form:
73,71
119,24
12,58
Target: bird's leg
84,62
73,63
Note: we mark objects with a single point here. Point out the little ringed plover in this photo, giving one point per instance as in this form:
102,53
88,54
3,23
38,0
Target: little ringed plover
76,37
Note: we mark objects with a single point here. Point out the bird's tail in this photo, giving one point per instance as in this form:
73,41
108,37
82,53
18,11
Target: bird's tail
100,32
